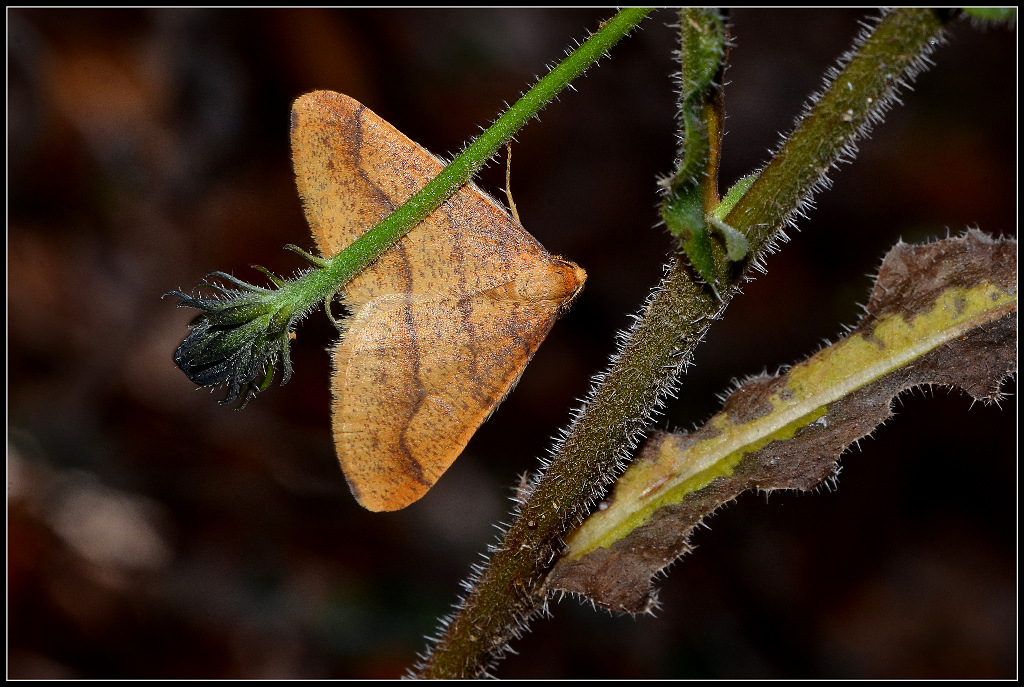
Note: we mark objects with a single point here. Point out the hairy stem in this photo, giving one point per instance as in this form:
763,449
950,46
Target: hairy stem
510,589
692,191
859,95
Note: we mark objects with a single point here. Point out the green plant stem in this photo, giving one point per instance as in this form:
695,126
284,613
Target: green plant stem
318,284
510,589
701,52
857,97
692,191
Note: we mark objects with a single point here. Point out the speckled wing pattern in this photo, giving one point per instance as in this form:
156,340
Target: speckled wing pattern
442,324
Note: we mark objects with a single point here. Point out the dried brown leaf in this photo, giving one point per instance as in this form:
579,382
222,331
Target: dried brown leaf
943,314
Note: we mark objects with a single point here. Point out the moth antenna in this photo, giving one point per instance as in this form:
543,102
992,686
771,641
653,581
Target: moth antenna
508,184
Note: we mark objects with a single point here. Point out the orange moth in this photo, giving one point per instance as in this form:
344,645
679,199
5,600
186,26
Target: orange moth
441,326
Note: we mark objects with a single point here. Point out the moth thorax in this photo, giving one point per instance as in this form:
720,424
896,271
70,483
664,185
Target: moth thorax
555,281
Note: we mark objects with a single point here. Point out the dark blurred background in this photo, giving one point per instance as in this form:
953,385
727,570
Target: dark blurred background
153,533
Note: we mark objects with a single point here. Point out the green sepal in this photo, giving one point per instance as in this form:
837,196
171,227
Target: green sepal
315,259
684,217
732,196
736,245
237,339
